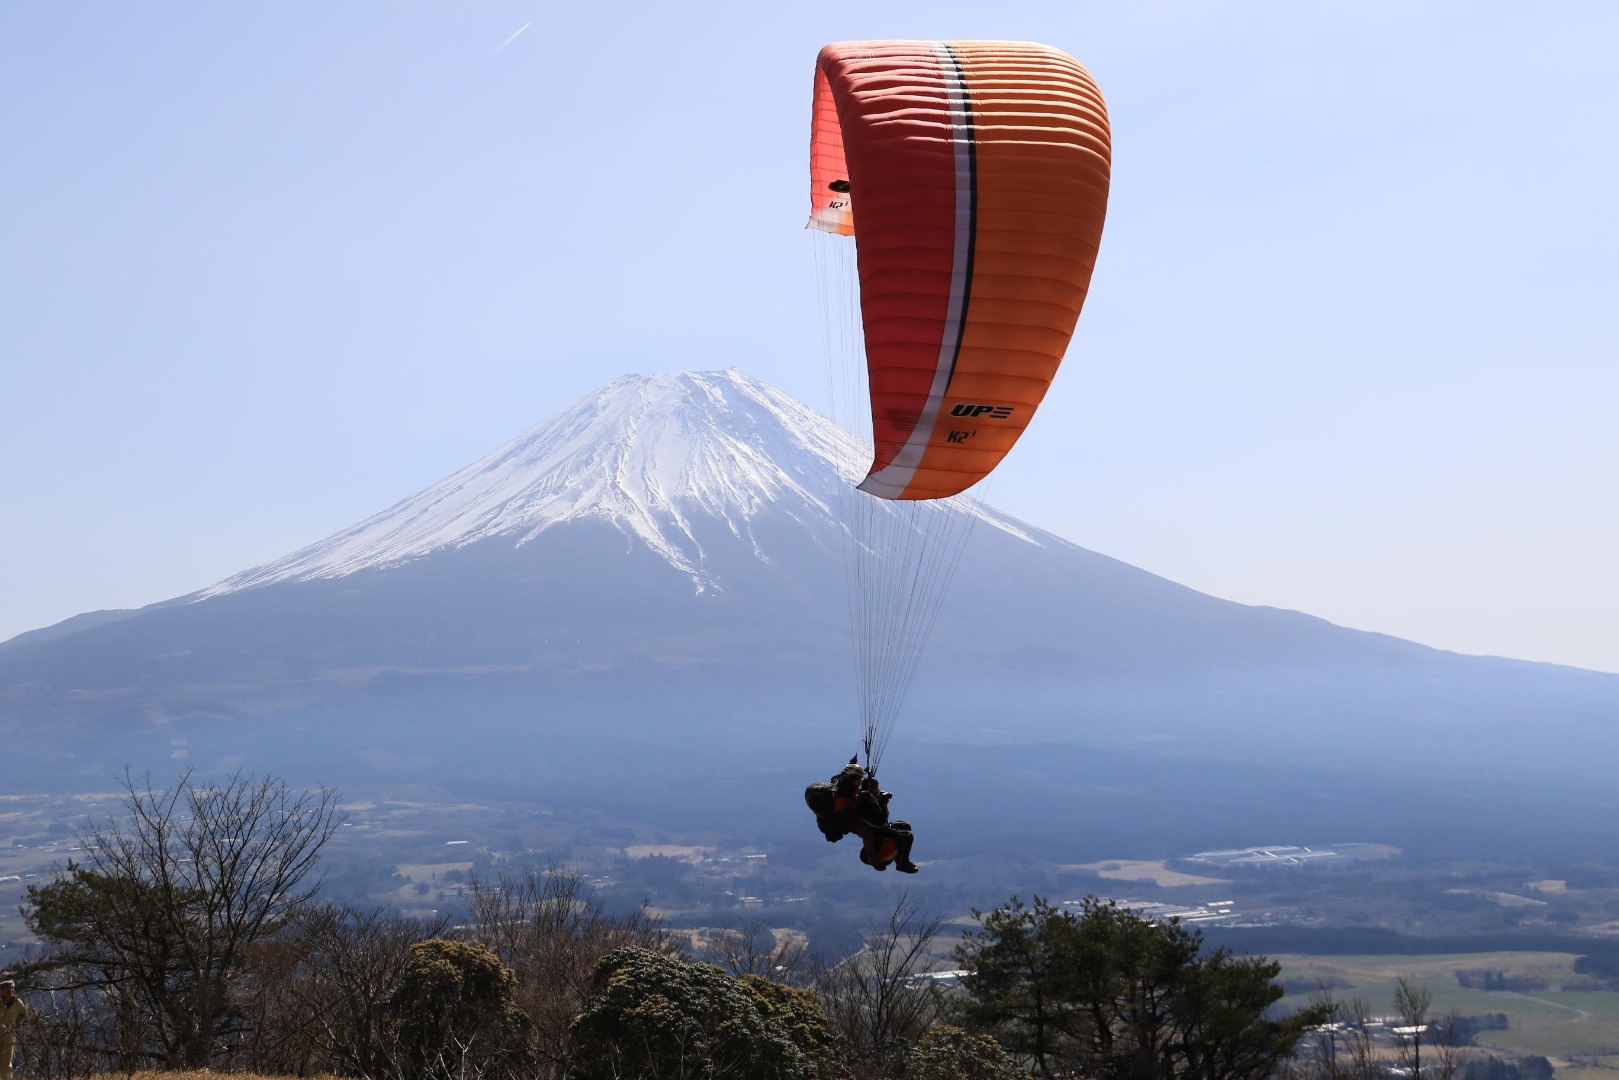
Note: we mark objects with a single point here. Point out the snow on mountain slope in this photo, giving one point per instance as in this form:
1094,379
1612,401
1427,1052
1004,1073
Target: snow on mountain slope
645,453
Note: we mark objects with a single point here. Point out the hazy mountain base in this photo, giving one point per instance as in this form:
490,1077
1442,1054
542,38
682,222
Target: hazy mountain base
689,758
611,689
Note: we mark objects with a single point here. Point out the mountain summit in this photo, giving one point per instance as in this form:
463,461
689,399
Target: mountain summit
644,454
699,468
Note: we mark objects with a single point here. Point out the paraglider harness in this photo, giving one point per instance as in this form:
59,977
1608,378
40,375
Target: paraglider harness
853,802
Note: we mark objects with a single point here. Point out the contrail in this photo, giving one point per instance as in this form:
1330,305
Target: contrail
513,38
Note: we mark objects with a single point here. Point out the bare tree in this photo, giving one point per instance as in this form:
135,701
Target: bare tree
166,901
1448,1037
878,1000
318,998
1342,1047
1411,1004
63,1035
1316,1055
754,949
1354,1019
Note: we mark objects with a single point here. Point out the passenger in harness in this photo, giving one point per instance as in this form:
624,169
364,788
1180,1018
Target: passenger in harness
853,802
833,803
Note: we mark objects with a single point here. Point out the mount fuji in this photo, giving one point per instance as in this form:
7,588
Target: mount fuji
652,580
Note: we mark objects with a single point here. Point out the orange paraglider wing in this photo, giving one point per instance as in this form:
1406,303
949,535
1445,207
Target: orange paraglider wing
974,177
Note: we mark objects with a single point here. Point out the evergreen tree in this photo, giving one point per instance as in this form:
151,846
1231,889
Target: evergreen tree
797,1015
453,1012
662,1018
1113,995
952,1053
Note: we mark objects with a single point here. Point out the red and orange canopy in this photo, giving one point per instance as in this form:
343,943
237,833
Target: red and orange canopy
974,177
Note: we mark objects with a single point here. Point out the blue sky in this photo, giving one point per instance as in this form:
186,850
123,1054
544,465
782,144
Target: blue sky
266,269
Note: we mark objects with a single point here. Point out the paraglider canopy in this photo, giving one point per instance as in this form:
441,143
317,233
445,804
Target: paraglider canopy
974,175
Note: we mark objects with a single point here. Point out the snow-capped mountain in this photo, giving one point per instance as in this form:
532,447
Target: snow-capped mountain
647,455
662,564
644,454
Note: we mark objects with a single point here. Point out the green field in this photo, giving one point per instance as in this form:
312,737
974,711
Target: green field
1577,1030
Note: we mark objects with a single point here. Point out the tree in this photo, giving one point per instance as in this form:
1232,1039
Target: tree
952,1053
552,933
662,1018
1022,982
1341,1047
453,1011
1601,965
797,1013
1531,1067
1535,1067
876,999
1108,993
318,998
64,1036
1450,1036
160,912
754,949
1411,1003
1219,1026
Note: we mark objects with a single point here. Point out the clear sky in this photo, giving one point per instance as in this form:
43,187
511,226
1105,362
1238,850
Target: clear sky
265,269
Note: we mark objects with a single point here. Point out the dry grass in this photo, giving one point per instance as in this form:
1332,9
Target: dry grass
1146,870
202,1074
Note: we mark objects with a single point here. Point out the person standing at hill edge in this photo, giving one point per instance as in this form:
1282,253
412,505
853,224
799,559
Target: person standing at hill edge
12,1012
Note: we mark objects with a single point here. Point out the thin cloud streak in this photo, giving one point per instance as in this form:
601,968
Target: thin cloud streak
513,38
